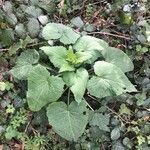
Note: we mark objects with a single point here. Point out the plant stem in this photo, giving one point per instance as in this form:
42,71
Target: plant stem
88,105
35,44
68,100
110,34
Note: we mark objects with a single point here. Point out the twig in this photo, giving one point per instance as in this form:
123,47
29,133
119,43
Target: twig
65,90
147,44
91,96
68,100
89,105
123,120
83,4
27,126
28,46
110,34
35,44
3,50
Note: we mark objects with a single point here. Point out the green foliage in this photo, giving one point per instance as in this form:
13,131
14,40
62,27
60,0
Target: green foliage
65,34
25,64
65,60
10,109
17,120
114,122
37,142
111,79
69,122
118,58
124,110
48,88
77,82
2,86
141,50
100,120
6,36
73,62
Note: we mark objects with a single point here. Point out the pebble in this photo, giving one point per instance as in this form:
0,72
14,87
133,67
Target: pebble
43,19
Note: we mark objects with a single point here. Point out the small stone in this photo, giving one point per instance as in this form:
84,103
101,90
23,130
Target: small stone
12,19
43,19
89,27
127,8
51,42
1,129
7,7
4,103
77,22
20,30
34,12
26,1
33,27
142,8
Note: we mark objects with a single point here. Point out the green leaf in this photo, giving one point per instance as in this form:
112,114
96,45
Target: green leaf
127,142
100,120
118,58
43,88
2,86
78,57
77,82
25,64
11,133
21,44
141,139
15,47
65,59
69,122
110,81
91,45
66,35
124,110
48,6
57,55
83,56
7,36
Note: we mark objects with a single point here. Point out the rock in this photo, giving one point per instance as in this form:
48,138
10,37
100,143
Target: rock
12,19
43,19
20,30
33,27
127,8
7,7
34,12
77,22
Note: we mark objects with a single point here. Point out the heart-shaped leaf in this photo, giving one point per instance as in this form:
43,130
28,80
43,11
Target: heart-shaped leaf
69,122
65,34
43,88
118,58
110,81
91,45
25,64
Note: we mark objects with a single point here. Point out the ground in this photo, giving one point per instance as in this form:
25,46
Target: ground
122,121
